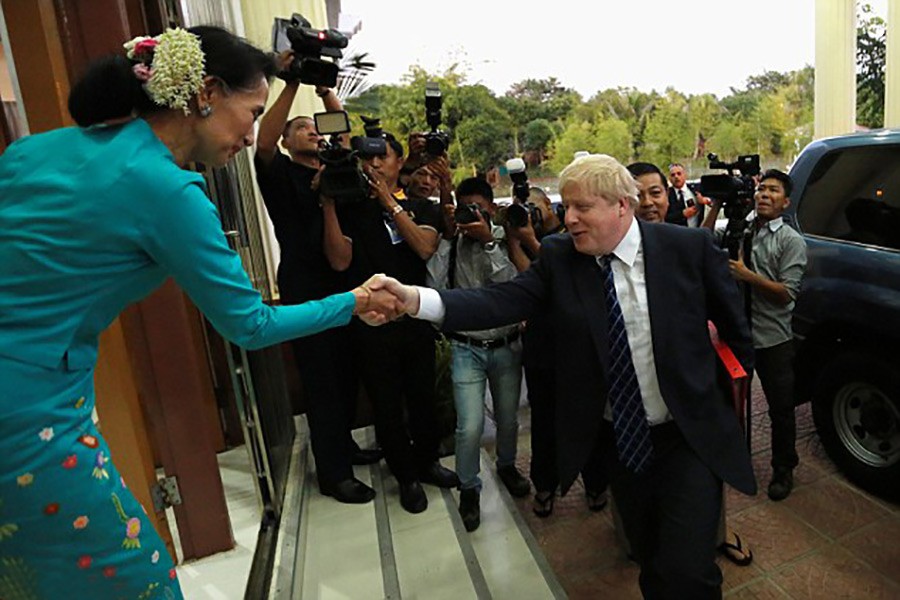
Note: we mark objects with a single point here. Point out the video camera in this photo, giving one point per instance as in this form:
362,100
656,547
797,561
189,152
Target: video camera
517,213
736,194
343,178
309,45
436,141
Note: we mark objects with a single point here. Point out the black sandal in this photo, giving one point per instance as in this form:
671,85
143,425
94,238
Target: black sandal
735,552
543,507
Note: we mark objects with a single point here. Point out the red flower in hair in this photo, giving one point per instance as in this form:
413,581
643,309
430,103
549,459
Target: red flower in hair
145,46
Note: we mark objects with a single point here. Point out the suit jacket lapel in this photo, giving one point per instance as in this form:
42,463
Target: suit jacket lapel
655,274
589,284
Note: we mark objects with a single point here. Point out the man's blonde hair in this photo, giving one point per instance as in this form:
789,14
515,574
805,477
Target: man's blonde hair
600,175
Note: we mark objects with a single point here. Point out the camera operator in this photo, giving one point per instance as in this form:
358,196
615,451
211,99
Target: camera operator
471,255
686,207
538,343
329,380
391,233
772,264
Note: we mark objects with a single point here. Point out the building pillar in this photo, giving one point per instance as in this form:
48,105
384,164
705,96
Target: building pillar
835,91
892,68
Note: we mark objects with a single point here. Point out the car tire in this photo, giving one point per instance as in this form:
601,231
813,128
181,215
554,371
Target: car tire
856,409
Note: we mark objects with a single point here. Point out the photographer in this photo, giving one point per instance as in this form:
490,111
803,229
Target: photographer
329,381
391,233
472,255
431,177
773,269
538,347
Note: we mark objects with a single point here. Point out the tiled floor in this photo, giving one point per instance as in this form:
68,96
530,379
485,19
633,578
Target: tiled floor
827,540
378,550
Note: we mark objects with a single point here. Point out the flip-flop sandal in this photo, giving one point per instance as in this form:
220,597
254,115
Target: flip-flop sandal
543,507
735,552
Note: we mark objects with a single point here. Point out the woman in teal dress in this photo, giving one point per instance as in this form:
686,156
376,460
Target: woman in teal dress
93,218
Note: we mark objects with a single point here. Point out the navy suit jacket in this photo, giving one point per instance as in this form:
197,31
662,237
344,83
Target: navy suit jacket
688,284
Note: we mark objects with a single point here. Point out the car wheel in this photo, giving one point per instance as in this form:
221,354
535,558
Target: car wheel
856,408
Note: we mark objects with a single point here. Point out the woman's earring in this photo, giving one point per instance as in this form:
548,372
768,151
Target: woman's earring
205,111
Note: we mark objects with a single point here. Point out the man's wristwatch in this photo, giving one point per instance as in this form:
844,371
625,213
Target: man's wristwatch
490,245
396,210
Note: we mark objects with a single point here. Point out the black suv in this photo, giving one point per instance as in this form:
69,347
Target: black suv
846,203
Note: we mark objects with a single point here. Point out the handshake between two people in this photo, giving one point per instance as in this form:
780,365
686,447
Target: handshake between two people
382,299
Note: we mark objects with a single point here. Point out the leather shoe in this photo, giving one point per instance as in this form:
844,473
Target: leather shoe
782,483
438,475
349,491
412,497
517,485
469,509
367,457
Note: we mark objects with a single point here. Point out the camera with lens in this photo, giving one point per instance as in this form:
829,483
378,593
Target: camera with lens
343,179
735,191
517,213
436,141
309,46
468,213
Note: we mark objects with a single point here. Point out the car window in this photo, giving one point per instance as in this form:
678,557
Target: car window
854,194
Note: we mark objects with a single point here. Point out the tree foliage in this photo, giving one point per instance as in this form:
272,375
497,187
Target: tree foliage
871,36
546,122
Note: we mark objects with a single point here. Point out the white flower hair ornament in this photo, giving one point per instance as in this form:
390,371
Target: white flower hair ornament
170,65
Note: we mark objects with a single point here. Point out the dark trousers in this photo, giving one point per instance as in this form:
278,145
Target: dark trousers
670,514
397,367
544,474
330,388
775,369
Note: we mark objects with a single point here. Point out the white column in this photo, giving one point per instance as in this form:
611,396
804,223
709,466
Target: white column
835,99
892,68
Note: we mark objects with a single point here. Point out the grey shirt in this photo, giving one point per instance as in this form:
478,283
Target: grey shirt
476,266
779,254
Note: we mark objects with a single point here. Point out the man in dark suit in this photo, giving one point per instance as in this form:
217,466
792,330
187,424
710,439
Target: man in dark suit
636,376
686,207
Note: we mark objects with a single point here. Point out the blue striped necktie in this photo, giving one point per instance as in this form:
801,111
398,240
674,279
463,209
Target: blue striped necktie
629,417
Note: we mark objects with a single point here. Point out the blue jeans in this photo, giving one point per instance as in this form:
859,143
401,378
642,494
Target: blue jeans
472,367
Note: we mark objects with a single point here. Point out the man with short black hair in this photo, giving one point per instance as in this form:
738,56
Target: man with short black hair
471,255
391,233
324,360
774,271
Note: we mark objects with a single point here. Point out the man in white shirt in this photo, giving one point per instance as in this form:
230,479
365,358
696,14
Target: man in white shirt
668,435
685,207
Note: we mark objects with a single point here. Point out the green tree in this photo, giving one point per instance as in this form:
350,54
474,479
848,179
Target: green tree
538,135
871,35
668,134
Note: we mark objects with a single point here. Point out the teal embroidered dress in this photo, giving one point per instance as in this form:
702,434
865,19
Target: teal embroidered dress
90,221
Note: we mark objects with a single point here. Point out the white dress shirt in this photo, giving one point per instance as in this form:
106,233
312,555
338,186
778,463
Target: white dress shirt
631,289
689,195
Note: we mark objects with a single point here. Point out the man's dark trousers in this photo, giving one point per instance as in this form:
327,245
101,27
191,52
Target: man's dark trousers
541,384
397,367
775,368
670,513
330,386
